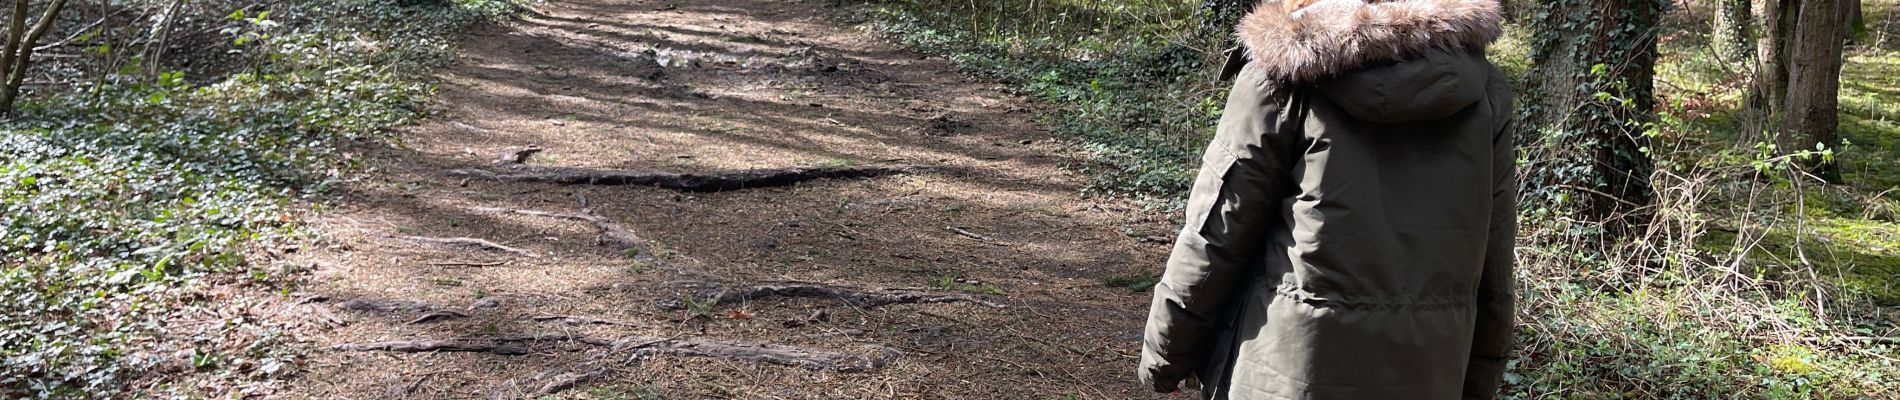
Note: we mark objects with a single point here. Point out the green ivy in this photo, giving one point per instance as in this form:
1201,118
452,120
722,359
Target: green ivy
117,197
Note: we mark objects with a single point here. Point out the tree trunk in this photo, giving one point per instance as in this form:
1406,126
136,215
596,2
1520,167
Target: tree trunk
1732,20
19,49
1814,83
1594,83
1853,24
1769,93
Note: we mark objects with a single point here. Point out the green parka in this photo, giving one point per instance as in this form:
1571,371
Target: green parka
1350,234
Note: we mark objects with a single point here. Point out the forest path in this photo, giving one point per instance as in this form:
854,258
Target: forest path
634,291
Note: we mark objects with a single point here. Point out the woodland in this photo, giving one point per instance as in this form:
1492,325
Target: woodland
650,199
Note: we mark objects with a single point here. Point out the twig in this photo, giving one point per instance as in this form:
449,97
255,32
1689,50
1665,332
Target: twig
519,155
973,235
470,242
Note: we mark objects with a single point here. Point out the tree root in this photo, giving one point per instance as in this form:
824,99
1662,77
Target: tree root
470,242
437,316
712,182
790,356
572,320
853,296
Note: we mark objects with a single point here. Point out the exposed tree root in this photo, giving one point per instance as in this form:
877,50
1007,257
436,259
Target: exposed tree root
790,356
470,242
711,182
442,315
853,296
572,320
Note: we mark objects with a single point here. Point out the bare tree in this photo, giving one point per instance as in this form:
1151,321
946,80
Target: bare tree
16,53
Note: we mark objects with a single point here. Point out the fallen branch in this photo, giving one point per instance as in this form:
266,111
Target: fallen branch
711,182
518,156
471,242
856,297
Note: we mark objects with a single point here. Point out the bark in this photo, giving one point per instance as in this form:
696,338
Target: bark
1814,82
1853,24
18,59
1770,92
1731,29
1589,93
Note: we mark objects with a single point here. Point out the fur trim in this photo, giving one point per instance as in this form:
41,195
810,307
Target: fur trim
1336,36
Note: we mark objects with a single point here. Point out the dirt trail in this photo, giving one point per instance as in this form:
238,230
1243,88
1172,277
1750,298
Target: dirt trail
597,291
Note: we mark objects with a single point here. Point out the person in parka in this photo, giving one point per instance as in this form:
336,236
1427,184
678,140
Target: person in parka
1350,234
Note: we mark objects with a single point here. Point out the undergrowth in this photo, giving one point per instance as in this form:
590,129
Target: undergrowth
125,195
1752,281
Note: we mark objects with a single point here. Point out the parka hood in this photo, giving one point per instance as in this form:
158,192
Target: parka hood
1330,37
1381,61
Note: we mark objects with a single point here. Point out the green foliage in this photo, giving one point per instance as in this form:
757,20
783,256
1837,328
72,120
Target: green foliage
118,196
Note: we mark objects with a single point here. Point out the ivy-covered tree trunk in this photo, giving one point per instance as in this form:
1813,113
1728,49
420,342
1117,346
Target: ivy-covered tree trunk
1589,95
1731,29
1814,83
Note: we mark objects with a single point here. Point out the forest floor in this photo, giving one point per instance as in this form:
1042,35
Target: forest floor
991,261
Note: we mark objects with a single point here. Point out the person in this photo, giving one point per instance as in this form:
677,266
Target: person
1350,234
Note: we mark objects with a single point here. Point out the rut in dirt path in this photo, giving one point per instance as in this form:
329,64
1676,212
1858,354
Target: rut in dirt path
721,199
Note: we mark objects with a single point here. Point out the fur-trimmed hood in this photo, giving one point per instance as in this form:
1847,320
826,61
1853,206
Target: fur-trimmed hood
1331,37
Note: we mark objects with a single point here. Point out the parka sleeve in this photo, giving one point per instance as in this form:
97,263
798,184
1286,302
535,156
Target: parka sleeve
1242,180
1493,334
